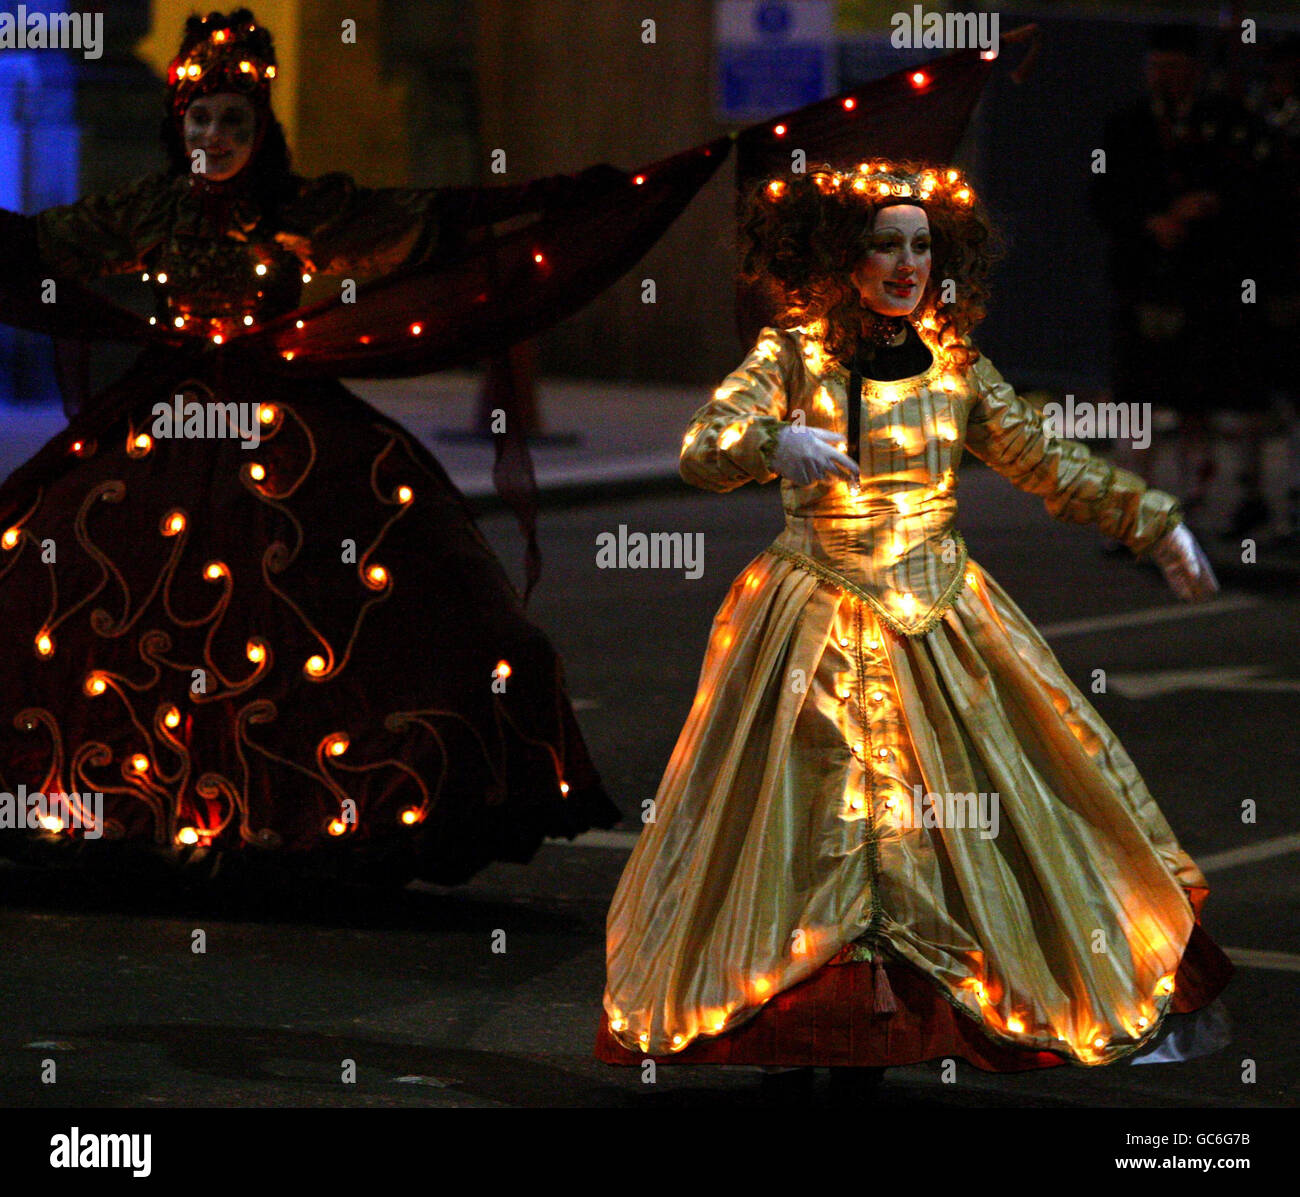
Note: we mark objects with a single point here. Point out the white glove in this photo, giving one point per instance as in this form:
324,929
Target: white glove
806,455
1184,564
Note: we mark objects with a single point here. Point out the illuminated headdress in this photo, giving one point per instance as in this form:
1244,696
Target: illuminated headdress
880,181
220,53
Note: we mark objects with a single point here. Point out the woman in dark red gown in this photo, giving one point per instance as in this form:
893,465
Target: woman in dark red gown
289,641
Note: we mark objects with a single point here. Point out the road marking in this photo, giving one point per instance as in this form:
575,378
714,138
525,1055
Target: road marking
623,840
1170,681
1249,854
1250,958
1132,619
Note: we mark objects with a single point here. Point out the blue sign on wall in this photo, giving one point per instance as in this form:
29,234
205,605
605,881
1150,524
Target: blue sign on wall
772,55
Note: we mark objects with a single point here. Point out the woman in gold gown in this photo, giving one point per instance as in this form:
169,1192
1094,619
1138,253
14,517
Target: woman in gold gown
892,828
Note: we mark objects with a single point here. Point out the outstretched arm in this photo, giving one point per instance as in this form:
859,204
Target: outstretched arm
1008,433
339,227
96,236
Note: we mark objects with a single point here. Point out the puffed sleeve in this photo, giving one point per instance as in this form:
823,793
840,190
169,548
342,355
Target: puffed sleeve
104,234
730,439
1008,434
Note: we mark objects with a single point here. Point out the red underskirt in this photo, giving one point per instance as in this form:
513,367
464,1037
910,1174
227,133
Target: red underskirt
827,1020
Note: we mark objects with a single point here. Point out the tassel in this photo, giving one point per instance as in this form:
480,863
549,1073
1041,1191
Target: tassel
883,1002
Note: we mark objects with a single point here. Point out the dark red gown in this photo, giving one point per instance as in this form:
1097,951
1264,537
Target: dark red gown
300,652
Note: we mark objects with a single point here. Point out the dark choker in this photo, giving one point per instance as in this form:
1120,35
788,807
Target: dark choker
879,331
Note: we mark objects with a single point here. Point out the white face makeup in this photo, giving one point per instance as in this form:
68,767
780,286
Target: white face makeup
222,125
893,275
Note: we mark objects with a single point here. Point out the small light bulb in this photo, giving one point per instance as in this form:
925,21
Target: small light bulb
187,835
260,268
315,665
162,278
172,718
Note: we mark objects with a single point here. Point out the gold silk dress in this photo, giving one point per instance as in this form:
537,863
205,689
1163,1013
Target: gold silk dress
884,760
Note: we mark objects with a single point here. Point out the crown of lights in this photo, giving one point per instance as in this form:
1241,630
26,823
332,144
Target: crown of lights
880,180
223,57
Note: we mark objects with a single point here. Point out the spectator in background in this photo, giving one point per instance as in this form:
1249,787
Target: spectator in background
1275,102
1181,201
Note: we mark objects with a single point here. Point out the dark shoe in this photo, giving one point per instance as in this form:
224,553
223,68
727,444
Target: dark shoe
856,1086
788,1087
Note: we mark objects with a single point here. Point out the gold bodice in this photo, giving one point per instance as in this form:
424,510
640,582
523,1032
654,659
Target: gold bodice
893,539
